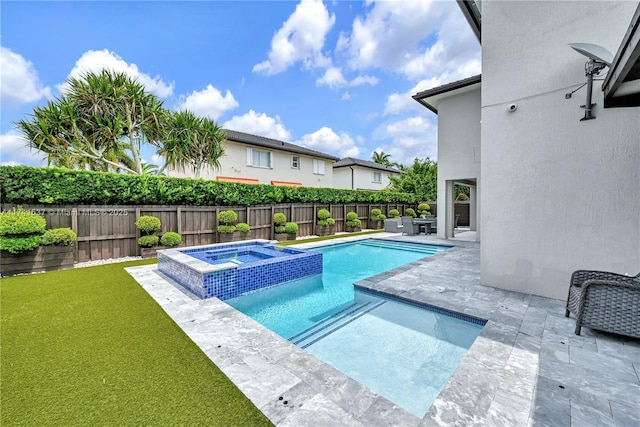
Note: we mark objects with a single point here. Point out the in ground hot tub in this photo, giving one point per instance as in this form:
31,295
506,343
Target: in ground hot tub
229,270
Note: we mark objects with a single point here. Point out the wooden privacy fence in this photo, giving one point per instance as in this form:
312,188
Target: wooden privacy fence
109,231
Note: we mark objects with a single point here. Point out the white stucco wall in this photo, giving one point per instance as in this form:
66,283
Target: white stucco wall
558,194
362,178
234,164
342,178
458,150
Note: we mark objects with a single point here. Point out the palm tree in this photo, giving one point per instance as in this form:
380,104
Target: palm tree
99,123
381,158
191,140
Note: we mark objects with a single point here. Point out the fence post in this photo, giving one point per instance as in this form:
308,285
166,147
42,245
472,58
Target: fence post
179,219
74,227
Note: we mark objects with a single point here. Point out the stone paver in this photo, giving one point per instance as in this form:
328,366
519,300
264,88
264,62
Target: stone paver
527,367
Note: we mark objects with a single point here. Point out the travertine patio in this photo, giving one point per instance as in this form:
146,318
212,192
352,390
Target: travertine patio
527,367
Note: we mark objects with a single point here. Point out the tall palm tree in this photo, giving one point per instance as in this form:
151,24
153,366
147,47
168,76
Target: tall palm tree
193,141
381,158
99,123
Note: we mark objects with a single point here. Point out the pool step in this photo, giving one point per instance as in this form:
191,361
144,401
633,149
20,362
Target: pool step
422,248
332,323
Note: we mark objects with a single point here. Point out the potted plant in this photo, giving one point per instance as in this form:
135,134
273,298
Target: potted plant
410,212
424,209
291,229
227,226
148,226
325,225
353,222
279,221
170,239
244,229
25,245
376,218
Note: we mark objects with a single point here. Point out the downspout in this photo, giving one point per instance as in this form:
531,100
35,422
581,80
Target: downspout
351,167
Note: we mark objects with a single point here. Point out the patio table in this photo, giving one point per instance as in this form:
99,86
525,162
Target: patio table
427,223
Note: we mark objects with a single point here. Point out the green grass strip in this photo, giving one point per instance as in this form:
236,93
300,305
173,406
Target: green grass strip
90,347
319,239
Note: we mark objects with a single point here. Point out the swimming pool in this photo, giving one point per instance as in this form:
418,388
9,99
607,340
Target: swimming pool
402,351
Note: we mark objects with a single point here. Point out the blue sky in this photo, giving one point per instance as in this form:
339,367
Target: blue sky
336,76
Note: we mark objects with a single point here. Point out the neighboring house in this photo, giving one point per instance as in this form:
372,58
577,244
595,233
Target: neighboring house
255,159
552,193
359,174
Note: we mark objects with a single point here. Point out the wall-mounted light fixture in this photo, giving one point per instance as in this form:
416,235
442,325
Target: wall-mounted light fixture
599,58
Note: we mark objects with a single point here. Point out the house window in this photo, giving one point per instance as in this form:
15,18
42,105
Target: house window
295,162
259,158
318,167
377,177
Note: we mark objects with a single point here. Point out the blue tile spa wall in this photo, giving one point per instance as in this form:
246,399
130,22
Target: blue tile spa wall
237,280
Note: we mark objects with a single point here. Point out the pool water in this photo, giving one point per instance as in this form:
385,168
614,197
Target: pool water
401,351
292,307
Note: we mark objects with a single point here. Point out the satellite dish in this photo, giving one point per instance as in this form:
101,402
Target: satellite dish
593,51
599,58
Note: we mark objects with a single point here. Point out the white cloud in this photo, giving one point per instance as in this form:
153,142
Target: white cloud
326,140
20,81
410,138
96,60
402,102
364,80
346,96
208,102
333,78
14,151
420,39
300,38
259,124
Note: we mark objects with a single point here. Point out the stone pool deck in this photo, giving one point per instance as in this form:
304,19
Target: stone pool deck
527,367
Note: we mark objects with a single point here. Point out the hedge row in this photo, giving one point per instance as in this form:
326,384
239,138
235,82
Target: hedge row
28,185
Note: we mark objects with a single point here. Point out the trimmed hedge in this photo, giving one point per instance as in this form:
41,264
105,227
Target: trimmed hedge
29,185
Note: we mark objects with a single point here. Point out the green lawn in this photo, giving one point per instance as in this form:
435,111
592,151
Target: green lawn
89,347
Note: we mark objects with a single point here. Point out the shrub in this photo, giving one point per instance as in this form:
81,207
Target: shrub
410,212
353,223
20,230
23,184
18,222
148,224
424,209
323,222
171,238
462,197
279,218
377,215
226,228
59,237
291,228
279,229
243,227
394,213
324,214
227,217
16,245
331,221
148,240
351,216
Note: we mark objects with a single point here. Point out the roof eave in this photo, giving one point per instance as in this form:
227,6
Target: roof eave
472,14
422,97
625,69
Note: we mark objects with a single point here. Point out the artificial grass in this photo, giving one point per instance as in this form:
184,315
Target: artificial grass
319,239
89,346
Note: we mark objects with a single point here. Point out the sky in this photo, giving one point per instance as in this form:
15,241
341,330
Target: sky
335,76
